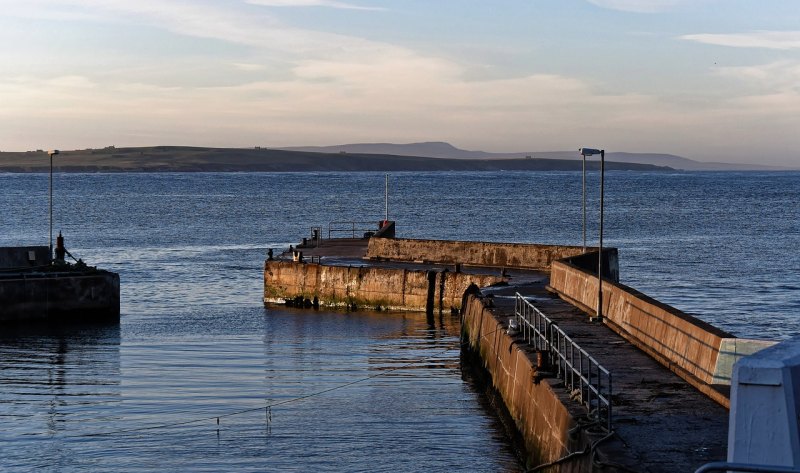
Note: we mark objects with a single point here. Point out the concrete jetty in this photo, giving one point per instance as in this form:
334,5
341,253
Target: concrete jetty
660,422
32,289
666,410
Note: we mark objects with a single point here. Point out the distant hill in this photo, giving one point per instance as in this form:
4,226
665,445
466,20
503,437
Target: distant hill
430,149
196,159
437,149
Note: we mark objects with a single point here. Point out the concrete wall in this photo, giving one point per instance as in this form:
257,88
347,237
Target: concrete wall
539,409
387,229
390,288
589,261
508,255
60,297
20,256
732,350
686,345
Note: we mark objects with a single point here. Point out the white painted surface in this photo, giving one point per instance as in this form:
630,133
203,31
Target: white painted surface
765,404
732,350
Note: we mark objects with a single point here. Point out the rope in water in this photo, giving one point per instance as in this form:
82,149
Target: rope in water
267,408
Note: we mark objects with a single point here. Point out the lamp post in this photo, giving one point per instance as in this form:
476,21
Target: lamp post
51,153
583,185
386,199
589,152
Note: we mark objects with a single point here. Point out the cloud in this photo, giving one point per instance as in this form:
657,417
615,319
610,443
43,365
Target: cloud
757,39
243,26
249,67
286,85
400,98
639,6
774,76
396,98
310,3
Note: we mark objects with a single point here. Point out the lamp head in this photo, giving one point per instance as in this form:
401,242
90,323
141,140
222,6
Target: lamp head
589,151
53,151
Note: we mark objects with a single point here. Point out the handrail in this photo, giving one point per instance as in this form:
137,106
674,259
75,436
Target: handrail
351,227
585,378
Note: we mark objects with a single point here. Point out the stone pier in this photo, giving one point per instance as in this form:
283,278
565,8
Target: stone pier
669,397
31,289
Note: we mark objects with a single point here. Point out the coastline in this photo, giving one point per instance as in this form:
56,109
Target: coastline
192,159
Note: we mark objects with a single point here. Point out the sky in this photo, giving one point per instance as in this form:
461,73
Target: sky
711,80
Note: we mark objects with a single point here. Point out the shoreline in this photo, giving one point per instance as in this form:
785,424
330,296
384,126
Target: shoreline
188,159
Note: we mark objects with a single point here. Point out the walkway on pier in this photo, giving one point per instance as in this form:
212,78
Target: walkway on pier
665,423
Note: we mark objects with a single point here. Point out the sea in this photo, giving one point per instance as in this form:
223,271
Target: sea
199,375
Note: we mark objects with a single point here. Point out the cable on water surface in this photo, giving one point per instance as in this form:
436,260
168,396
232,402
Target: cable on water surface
267,408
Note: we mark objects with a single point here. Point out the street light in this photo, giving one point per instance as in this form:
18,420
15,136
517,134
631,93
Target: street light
583,207
589,152
51,153
386,199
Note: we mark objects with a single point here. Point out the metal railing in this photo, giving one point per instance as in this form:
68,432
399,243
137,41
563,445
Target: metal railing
354,229
587,381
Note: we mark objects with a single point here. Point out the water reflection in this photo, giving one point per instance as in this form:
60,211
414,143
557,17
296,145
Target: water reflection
389,387
56,380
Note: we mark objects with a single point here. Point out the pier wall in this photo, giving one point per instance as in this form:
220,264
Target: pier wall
539,408
684,344
24,256
475,253
60,297
369,286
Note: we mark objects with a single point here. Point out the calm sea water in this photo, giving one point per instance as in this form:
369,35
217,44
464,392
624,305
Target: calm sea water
386,390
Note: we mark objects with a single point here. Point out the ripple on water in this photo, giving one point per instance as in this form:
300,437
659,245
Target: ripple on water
407,409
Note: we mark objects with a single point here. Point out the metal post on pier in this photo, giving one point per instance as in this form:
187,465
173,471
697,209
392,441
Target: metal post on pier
584,201
386,199
600,252
50,240
589,152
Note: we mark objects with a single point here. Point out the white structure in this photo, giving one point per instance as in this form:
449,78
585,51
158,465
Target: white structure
764,424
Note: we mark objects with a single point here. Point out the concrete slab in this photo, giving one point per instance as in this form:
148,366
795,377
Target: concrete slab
352,252
333,248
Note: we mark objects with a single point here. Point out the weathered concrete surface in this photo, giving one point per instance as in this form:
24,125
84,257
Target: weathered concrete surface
661,423
369,286
59,296
388,229
686,345
498,255
24,256
338,249
732,350
543,415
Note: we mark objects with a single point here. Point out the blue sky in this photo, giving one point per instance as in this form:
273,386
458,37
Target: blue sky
712,80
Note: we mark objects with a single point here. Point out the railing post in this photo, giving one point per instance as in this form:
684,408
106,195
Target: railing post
572,365
541,333
610,391
588,395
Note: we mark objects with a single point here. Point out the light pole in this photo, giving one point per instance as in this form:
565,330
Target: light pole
589,152
583,185
51,153
386,198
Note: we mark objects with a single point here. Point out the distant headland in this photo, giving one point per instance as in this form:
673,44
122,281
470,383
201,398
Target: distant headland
376,157
439,149
258,159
